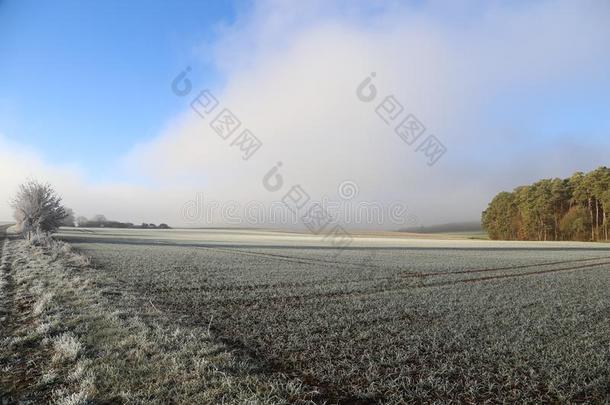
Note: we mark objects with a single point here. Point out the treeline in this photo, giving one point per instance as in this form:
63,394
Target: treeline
576,208
100,221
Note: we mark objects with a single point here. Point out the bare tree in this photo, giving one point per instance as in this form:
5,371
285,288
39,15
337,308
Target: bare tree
37,208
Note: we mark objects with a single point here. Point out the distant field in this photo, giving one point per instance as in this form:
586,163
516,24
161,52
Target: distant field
460,235
394,318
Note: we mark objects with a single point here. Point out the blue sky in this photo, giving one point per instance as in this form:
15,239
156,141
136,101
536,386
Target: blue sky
84,80
516,91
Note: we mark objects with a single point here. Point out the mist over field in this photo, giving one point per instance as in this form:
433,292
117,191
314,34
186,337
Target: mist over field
501,85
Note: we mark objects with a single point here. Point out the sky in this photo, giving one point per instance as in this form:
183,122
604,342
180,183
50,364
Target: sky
513,91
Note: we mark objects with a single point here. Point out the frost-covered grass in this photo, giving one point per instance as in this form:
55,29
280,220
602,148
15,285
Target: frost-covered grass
224,319
423,321
67,347
68,342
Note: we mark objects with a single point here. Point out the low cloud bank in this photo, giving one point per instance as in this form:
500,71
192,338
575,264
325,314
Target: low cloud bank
292,76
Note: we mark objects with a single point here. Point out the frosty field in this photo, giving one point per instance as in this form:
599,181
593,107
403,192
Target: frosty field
392,319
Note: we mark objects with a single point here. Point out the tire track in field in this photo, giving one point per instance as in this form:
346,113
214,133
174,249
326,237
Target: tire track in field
303,260
304,299
518,267
531,273
492,278
377,289
506,276
294,259
418,275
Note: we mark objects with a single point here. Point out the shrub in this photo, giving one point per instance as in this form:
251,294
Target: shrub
38,209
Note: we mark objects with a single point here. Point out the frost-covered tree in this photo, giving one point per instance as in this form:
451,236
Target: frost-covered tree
38,209
70,219
100,219
82,221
